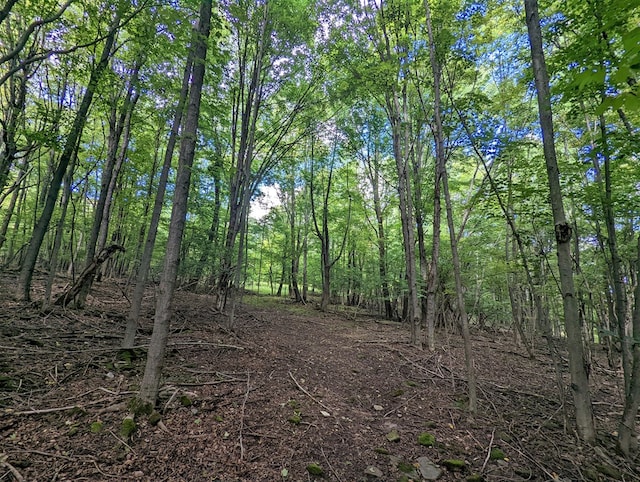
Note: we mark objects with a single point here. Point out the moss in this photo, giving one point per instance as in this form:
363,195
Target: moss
296,418
154,418
411,383
292,404
140,407
496,454
7,383
453,464
381,450
72,431
397,393
96,427
128,427
525,472
393,436
475,478
405,467
426,439
185,401
315,469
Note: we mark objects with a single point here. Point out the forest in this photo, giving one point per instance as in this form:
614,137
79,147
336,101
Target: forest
457,173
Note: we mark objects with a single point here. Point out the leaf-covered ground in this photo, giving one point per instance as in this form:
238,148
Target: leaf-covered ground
288,387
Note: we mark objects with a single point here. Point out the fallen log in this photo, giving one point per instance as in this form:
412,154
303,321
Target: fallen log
85,279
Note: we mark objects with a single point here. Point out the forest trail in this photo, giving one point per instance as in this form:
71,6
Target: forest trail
290,386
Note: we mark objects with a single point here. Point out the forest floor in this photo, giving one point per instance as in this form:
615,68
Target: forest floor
288,387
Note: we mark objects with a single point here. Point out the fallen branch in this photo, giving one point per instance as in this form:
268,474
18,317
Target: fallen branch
244,404
330,466
486,460
202,384
308,394
86,277
200,343
16,475
61,409
399,406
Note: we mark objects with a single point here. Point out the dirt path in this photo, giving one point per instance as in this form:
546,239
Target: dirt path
290,387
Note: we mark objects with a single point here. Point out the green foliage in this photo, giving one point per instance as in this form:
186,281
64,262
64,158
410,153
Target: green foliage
296,418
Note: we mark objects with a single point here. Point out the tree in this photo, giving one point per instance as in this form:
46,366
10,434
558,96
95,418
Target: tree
157,345
562,229
320,217
147,254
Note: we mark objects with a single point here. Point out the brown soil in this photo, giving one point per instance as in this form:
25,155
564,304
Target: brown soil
288,387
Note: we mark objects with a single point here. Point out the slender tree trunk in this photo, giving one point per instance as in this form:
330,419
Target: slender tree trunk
464,319
616,276
627,440
157,345
433,278
40,230
397,110
53,262
579,378
145,261
17,92
118,140
4,227
441,161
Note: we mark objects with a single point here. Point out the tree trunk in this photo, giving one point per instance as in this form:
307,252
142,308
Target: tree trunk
53,262
40,229
157,345
373,173
616,276
116,153
627,440
145,261
579,378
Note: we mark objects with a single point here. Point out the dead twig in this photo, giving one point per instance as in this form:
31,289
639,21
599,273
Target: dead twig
104,473
399,406
122,442
244,404
62,409
486,460
16,475
202,384
419,367
308,394
166,405
330,466
201,343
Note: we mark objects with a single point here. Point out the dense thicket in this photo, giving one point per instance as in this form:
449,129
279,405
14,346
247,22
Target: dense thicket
380,155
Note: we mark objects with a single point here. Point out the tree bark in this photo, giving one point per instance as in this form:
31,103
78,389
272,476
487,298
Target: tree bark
145,261
116,153
627,441
87,274
441,161
433,277
157,345
579,378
